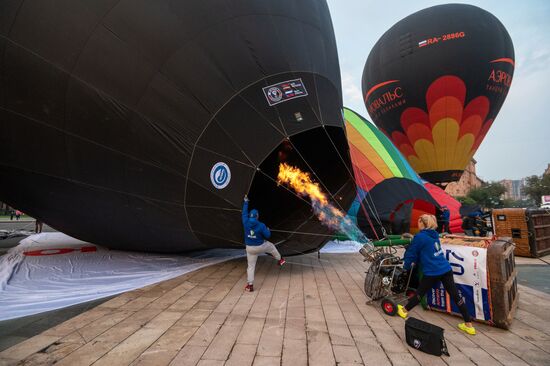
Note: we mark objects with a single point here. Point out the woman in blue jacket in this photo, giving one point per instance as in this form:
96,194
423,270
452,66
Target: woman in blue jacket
425,250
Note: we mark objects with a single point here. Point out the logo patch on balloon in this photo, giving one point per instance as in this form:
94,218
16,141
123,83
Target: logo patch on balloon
286,90
220,175
274,94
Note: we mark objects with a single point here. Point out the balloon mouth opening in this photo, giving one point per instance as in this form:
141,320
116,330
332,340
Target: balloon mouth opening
322,152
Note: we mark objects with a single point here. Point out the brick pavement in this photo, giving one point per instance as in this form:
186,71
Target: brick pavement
310,312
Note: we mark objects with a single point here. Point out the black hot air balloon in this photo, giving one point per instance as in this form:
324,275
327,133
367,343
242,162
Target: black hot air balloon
434,83
140,125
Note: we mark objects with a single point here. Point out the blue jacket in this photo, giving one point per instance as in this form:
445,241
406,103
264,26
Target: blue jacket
445,215
255,232
425,250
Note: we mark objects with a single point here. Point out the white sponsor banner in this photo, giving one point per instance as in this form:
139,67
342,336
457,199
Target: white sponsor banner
52,270
469,266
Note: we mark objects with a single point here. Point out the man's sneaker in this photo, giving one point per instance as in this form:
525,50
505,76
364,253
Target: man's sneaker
249,287
470,330
281,261
402,312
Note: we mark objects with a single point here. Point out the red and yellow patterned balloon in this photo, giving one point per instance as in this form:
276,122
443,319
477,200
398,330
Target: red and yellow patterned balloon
435,82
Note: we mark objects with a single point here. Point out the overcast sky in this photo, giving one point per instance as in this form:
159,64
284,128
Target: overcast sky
518,143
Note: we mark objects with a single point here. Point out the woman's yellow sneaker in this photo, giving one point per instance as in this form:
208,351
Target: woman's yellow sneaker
470,330
402,312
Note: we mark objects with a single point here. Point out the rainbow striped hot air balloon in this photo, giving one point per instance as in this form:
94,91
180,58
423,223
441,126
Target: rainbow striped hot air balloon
390,193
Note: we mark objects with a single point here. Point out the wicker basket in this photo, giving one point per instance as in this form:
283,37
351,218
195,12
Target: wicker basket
528,228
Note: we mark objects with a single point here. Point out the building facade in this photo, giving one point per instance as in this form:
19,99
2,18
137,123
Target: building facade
514,188
468,181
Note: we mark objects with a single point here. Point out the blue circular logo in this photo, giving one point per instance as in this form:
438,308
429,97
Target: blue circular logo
220,175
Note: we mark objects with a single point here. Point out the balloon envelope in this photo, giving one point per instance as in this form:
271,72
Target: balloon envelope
140,125
390,193
434,83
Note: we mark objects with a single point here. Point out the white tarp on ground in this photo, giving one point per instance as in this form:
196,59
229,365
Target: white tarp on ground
52,270
337,246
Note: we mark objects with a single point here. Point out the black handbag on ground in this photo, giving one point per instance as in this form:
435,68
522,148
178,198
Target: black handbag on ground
425,337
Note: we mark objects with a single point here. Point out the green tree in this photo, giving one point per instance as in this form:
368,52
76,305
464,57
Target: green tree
536,187
465,200
488,195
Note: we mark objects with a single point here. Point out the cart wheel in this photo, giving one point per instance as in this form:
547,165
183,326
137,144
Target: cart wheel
389,306
410,292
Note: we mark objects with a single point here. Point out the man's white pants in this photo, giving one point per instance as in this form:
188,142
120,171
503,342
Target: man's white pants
252,253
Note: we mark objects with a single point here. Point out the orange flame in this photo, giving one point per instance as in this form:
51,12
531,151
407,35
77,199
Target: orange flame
301,182
329,215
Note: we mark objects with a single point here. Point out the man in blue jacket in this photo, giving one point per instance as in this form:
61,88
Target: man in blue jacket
425,250
255,235
445,219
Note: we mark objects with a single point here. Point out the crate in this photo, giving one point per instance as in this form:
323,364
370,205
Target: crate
528,228
502,281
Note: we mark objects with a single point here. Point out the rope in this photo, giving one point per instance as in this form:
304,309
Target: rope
300,232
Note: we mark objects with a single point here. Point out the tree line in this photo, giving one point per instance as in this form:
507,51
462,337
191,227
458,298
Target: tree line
490,194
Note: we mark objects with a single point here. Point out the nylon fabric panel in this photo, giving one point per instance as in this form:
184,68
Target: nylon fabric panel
109,64
372,148
41,141
215,139
201,196
330,102
366,166
256,99
174,113
150,28
7,15
135,147
217,227
100,222
237,118
36,90
58,42
123,174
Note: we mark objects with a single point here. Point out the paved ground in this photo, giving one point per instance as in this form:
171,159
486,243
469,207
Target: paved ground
17,330
534,273
535,276
309,312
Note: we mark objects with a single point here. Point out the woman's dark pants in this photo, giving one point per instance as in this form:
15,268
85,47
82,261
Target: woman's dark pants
427,282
